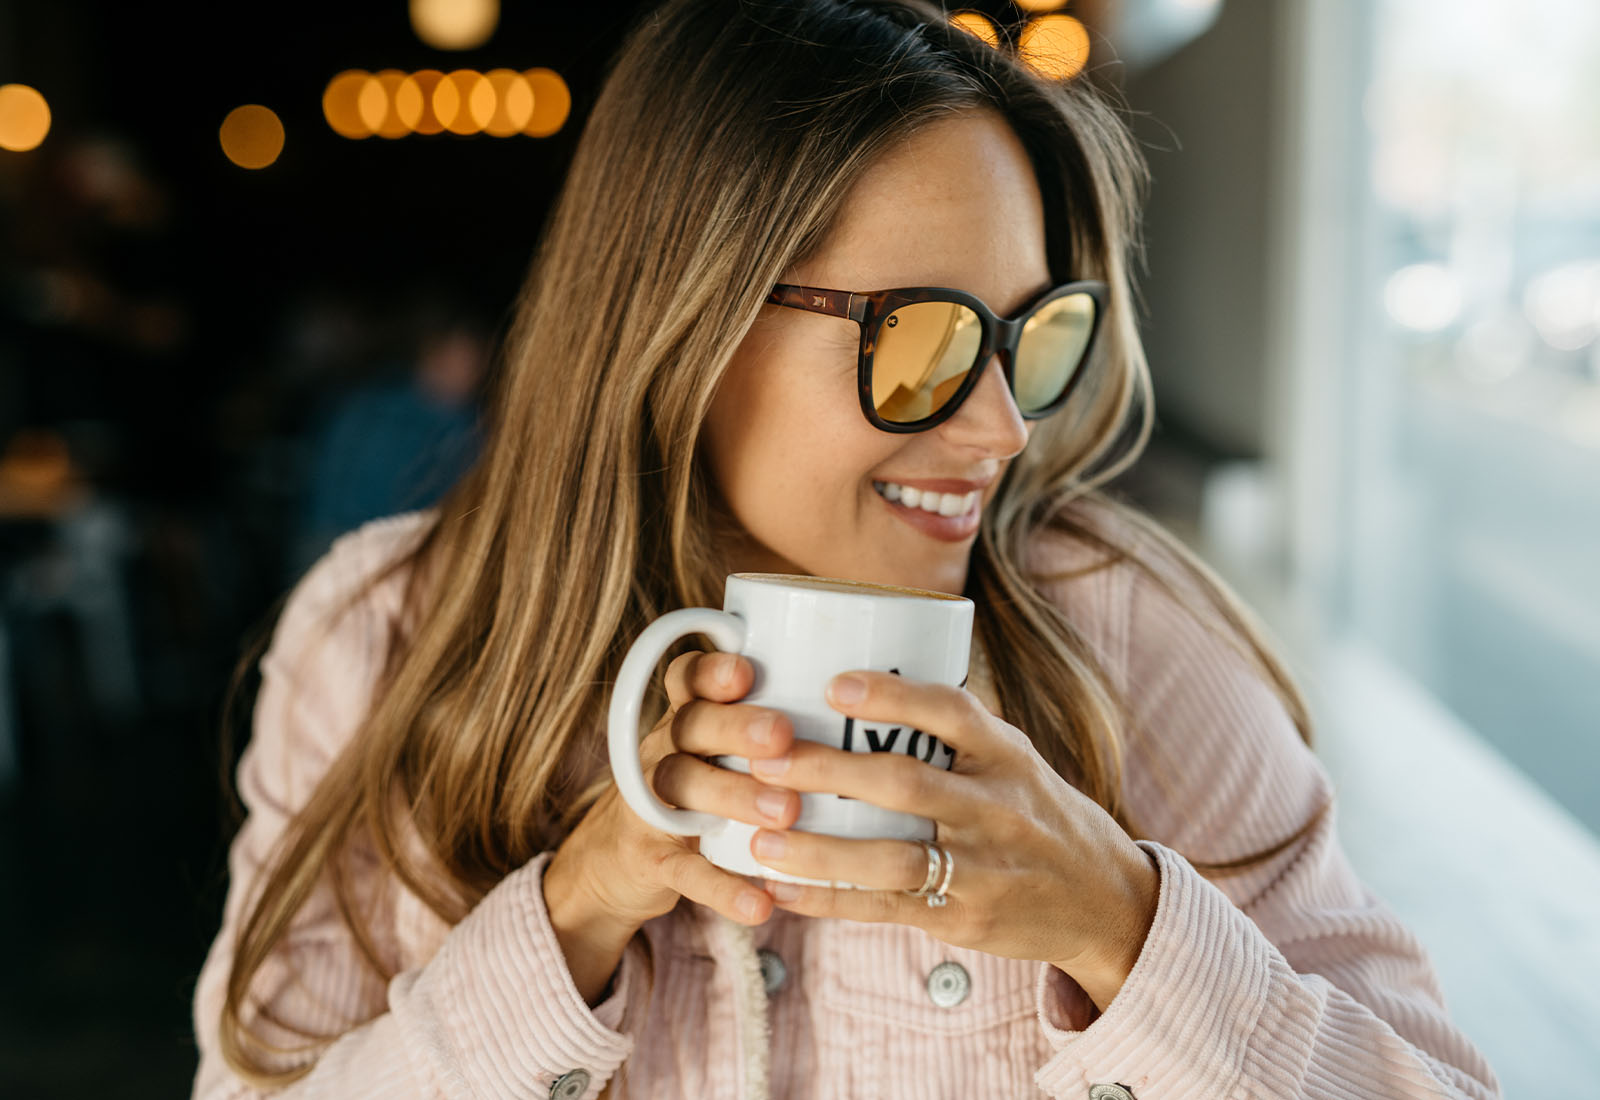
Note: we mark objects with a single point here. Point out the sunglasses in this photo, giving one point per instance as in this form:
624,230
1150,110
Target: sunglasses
924,347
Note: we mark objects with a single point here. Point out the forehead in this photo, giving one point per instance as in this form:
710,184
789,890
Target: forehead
955,203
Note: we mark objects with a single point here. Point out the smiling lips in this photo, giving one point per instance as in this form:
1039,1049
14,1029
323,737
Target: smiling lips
942,504
948,517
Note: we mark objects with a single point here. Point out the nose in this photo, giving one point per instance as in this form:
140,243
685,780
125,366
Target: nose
989,420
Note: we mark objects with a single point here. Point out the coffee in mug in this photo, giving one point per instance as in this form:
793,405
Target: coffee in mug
799,632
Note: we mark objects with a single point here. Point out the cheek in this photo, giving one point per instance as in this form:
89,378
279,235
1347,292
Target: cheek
794,461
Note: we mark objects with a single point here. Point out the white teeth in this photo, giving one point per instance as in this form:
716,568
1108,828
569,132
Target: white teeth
943,504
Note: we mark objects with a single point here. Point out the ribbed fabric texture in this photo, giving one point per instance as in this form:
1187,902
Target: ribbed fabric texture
1291,980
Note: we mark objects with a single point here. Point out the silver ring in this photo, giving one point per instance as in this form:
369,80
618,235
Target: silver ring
938,898
934,861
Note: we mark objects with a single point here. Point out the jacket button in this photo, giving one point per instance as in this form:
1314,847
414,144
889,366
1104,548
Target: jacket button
773,972
1109,1092
948,984
570,1085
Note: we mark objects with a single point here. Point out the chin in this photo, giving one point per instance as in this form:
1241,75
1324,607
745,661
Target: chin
949,580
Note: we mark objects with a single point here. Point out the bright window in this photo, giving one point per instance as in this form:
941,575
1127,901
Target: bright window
1474,466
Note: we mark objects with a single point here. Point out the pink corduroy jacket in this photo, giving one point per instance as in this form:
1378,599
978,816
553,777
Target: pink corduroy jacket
1292,980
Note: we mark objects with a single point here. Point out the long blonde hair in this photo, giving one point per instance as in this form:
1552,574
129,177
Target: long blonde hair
724,137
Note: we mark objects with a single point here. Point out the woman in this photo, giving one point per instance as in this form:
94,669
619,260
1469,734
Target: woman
438,891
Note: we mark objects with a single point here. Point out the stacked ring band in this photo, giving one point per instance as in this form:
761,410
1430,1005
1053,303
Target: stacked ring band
935,858
939,859
938,898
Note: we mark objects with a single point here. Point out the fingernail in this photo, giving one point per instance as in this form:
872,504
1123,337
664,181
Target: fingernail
848,689
770,845
770,766
760,729
773,803
749,905
725,669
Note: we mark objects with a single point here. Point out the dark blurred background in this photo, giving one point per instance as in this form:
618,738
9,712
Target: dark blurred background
206,373
1373,290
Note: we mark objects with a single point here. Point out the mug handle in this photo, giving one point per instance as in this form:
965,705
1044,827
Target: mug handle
727,631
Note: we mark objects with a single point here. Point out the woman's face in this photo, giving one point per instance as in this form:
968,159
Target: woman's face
954,205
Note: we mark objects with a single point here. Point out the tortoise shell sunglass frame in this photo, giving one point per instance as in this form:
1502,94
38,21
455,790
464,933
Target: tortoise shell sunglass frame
869,309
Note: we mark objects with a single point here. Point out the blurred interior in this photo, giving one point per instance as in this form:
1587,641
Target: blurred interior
245,306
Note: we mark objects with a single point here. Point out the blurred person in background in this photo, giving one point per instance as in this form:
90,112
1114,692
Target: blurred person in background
437,890
398,440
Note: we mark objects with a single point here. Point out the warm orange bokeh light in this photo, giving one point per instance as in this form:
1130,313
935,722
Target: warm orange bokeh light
377,104
552,102
251,136
24,118
413,102
392,104
513,102
976,25
36,460
1040,5
341,103
464,101
1054,46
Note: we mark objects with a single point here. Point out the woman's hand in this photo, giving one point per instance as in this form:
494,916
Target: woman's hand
633,871
1041,871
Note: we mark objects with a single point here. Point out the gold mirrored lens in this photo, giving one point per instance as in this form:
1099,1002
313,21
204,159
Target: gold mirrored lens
923,353
1052,344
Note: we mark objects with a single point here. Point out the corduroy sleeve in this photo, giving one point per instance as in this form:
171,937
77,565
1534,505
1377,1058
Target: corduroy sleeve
1291,980
493,1013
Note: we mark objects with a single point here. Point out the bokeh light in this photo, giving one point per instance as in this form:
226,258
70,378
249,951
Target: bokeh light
1564,305
552,102
36,460
377,104
1054,46
454,24
24,118
1040,5
341,103
1424,297
251,136
464,101
413,102
513,102
394,104
976,25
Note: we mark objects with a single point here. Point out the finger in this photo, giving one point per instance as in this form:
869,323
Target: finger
891,780
954,715
696,878
709,729
719,676
691,783
873,864
846,903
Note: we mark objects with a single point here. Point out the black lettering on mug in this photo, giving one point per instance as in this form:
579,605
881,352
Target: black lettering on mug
875,745
913,746
933,751
880,740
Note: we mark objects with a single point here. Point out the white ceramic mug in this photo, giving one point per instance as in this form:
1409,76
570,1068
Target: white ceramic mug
799,632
